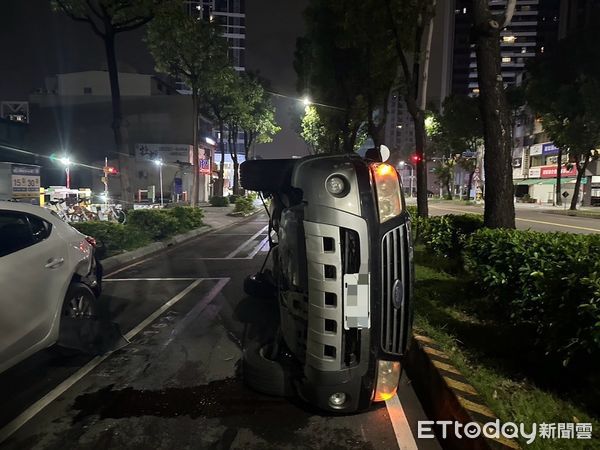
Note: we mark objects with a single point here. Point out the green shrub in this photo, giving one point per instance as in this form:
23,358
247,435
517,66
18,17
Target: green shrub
187,218
244,205
219,201
233,198
412,211
548,282
112,237
446,235
156,223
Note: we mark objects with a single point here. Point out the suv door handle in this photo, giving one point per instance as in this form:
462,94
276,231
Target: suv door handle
54,263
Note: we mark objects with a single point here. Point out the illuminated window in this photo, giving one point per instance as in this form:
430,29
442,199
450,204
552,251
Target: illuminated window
509,38
506,59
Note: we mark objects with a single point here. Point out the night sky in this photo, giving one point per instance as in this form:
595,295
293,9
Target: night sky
36,42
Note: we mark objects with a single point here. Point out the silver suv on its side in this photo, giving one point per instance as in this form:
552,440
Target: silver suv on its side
342,280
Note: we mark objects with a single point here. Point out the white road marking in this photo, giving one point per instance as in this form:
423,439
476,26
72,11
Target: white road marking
152,279
404,436
258,247
246,243
14,425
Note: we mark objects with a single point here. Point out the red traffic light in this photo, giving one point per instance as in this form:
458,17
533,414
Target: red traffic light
110,170
415,158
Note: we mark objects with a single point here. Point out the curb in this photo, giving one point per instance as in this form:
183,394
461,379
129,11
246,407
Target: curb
446,395
114,262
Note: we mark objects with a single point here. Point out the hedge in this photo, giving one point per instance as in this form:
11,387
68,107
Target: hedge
446,235
143,226
113,237
244,205
548,282
219,201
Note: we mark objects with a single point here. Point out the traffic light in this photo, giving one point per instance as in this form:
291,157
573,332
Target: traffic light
108,170
415,158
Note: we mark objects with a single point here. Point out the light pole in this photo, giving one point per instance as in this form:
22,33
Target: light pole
401,164
159,163
66,161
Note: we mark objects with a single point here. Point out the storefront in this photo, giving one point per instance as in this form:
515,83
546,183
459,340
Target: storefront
540,187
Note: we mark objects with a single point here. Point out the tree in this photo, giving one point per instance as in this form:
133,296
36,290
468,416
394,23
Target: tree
445,173
570,115
193,50
499,209
344,62
107,19
458,129
218,102
411,26
313,131
258,122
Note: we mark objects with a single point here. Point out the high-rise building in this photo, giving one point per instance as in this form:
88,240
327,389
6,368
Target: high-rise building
533,27
231,15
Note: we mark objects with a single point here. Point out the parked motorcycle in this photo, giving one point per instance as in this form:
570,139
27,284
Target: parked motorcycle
340,274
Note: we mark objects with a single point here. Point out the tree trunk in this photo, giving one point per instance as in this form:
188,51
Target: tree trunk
581,168
234,158
421,164
499,190
558,195
220,186
195,156
470,185
119,133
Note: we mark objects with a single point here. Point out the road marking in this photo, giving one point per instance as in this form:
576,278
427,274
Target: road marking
246,243
459,386
476,407
404,436
575,227
151,279
158,253
596,230
38,406
196,310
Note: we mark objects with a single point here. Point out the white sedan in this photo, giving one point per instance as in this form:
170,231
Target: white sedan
49,279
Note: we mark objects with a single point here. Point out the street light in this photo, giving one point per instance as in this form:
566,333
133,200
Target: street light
66,161
159,163
306,101
401,165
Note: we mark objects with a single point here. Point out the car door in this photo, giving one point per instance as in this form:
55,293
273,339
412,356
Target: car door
33,274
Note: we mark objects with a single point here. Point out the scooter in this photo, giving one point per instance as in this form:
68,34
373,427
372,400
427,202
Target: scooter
340,275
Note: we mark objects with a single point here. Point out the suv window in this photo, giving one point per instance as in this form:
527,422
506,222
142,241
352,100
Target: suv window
19,231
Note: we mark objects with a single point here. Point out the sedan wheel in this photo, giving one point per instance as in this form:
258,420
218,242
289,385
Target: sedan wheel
80,302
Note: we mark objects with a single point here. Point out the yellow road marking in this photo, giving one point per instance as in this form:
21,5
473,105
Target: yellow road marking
421,338
460,386
434,352
446,367
476,407
596,230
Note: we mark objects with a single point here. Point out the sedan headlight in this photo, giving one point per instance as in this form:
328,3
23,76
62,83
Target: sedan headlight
389,197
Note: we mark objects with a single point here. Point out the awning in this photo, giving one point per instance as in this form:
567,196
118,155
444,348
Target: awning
527,182
567,180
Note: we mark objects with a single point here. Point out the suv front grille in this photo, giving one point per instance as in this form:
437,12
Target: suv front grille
395,266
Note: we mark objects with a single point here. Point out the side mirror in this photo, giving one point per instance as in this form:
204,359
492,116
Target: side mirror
381,154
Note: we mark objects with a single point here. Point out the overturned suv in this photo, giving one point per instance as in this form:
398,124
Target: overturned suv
340,276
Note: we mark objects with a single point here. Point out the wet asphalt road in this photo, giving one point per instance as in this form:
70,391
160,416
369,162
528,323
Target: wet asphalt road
528,218
176,384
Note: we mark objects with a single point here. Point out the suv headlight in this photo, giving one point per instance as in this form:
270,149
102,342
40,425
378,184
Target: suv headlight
389,196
